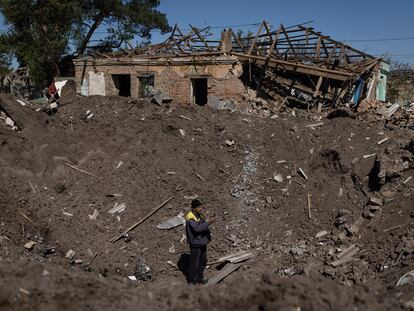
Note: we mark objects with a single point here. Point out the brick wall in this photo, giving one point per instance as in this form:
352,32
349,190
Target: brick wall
174,81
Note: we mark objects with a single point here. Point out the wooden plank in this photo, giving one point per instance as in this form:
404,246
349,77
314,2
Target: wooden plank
268,30
114,239
318,86
255,39
318,49
234,258
333,52
324,47
200,37
346,250
288,39
82,171
228,269
297,67
238,41
274,43
339,43
347,257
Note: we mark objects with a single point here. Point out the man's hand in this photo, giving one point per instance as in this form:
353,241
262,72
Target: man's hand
211,220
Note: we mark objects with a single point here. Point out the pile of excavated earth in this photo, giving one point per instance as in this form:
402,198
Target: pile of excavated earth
321,203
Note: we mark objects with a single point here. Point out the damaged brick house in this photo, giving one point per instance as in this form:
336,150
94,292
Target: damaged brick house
192,69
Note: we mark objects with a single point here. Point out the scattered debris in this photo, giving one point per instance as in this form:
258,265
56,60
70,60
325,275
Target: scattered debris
172,249
185,118
369,155
228,269
356,226
346,255
383,141
375,201
114,239
172,264
303,173
82,171
234,258
406,279
70,254
118,208
392,228
390,111
172,222
278,178
315,125
29,245
24,291
191,197
94,214
142,270
115,195
21,213
407,180
321,234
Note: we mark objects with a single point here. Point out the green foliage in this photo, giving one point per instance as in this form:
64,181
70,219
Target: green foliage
123,20
41,32
5,59
38,34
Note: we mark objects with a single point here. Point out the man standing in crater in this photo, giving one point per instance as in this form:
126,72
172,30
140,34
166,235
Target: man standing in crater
198,236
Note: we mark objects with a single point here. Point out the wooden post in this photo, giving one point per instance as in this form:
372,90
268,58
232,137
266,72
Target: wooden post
255,39
114,239
309,206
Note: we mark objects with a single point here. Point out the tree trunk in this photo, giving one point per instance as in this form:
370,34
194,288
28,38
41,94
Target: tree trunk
88,36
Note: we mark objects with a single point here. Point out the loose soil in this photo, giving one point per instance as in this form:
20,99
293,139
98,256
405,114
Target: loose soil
141,154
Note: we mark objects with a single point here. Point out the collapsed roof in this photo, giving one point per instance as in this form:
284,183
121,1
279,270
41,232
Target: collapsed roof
294,58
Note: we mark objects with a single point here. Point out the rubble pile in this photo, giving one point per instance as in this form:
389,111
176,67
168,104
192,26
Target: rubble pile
314,209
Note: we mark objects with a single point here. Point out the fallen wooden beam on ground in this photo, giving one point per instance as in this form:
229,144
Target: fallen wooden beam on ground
392,228
82,171
35,224
303,173
114,239
315,124
234,258
345,256
228,269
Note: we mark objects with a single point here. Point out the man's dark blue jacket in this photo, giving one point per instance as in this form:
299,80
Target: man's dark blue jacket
197,228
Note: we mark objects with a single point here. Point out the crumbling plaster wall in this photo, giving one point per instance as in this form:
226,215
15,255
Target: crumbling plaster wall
173,80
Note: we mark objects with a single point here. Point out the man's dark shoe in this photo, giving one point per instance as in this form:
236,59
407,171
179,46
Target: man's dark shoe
203,281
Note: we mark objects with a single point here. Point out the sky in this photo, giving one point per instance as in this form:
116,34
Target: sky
376,27
346,20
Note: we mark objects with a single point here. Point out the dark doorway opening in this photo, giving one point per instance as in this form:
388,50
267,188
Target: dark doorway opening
146,85
200,92
122,84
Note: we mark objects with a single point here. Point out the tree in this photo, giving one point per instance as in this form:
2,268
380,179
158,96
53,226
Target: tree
38,34
41,32
123,20
5,60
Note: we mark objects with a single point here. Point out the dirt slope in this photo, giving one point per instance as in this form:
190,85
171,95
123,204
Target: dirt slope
147,154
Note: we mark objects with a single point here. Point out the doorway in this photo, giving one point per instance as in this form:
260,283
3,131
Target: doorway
146,85
122,84
199,91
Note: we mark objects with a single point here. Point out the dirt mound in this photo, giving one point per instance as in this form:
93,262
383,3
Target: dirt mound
295,190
